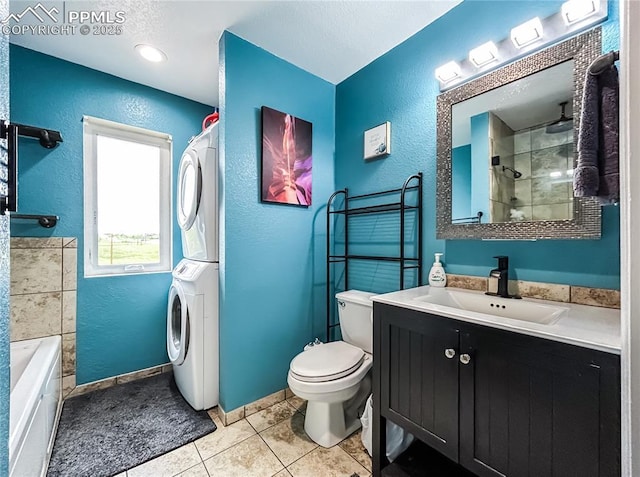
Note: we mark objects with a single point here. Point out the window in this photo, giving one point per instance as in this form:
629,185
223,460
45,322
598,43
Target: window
127,199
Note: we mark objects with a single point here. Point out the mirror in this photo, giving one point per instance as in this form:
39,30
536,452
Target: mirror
506,149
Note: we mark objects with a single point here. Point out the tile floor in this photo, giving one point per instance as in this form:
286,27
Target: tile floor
269,443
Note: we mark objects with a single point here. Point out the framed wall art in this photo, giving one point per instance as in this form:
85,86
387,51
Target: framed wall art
286,158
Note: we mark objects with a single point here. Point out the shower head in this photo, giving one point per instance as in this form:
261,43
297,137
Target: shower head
563,124
516,174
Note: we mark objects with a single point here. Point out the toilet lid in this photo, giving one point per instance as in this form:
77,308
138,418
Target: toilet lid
327,362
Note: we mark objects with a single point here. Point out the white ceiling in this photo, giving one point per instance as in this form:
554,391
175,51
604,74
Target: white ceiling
544,90
331,39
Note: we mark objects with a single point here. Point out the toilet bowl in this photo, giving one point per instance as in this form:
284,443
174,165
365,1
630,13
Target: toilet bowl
335,377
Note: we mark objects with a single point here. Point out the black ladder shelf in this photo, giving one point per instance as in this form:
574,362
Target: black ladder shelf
400,205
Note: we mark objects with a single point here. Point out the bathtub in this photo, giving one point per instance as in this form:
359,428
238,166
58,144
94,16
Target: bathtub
35,404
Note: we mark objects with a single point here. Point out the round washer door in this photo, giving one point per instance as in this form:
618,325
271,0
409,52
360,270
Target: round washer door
189,189
177,325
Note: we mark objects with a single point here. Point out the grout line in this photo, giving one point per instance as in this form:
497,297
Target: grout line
275,455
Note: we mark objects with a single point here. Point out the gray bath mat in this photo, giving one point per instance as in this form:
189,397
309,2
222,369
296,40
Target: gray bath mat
105,432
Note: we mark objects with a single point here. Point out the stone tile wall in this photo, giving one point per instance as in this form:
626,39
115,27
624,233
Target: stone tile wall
544,291
44,293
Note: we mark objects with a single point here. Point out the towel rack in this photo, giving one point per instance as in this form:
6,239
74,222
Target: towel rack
602,62
46,221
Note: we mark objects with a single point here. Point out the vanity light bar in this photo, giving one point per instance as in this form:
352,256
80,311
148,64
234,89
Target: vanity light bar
574,16
574,11
527,33
484,54
448,72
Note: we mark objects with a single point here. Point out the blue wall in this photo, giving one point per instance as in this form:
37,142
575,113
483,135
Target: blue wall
461,181
120,320
272,256
401,87
4,262
480,164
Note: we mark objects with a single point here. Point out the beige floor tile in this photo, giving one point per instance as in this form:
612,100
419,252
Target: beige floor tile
272,415
287,440
298,404
333,462
223,438
169,464
283,473
354,447
250,458
197,471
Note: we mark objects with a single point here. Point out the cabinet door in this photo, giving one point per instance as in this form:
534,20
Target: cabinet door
529,407
419,383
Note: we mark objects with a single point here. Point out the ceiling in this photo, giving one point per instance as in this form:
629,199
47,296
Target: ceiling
545,90
330,39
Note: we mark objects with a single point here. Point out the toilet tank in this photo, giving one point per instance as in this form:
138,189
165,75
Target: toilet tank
355,310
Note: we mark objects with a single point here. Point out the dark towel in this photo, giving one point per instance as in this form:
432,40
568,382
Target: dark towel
597,171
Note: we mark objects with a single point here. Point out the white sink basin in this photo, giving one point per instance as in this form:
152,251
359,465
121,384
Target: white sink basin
478,302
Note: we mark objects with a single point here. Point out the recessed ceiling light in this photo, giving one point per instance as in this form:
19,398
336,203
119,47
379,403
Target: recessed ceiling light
575,10
151,53
527,33
484,54
448,72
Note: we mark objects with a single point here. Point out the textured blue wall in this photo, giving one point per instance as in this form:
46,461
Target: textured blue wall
401,87
272,256
461,181
121,320
4,260
479,164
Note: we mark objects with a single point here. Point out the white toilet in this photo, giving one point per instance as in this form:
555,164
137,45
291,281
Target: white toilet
333,377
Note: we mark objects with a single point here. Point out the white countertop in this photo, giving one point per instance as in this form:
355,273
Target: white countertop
587,326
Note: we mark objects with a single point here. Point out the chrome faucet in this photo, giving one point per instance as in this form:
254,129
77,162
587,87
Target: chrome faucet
501,274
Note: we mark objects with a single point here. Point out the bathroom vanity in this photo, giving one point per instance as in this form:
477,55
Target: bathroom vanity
536,395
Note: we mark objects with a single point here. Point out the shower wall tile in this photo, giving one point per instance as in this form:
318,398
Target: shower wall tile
69,268
522,164
36,270
522,142
522,192
545,192
41,268
68,385
527,211
562,211
554,160
69,300
541,140
36,242
68,354
70,242
35,315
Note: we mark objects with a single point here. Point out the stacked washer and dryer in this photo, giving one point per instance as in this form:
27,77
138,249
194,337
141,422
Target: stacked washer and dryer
192,313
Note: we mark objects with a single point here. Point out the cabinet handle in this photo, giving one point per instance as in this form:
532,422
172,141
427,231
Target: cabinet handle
465,358
449,352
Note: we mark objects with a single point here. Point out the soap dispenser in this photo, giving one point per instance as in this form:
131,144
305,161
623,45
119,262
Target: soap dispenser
437,276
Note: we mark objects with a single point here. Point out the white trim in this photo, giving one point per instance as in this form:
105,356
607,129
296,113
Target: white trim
629,228
92,128
124,128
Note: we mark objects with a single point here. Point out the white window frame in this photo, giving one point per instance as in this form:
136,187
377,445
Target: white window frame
92,127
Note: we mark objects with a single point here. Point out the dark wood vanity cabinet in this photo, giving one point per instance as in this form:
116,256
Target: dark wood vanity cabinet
496,402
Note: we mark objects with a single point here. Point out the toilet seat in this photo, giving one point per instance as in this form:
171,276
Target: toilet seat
326,362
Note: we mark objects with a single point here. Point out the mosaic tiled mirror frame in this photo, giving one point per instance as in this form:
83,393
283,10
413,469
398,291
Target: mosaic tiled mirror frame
586,222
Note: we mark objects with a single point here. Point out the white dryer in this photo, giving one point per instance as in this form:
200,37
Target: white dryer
197,203
192,332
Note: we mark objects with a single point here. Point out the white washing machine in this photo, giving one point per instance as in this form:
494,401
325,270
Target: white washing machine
192,332
197,202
